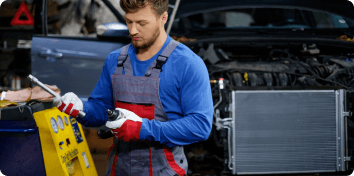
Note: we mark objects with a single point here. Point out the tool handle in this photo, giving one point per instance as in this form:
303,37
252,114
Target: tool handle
50,91
112,116
35,80
104,134
81,114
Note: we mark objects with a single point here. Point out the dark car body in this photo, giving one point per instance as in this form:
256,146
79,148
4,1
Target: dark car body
74,63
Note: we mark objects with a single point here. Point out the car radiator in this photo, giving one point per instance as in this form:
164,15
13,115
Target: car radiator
288,131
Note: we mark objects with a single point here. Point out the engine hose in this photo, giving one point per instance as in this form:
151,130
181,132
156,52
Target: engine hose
322,79
265,76
351,82
229,77
321,70
217,104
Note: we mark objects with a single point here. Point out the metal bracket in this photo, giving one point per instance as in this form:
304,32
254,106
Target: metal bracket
228,126
221,123
225,123
347,158
311,49
347,114
218,122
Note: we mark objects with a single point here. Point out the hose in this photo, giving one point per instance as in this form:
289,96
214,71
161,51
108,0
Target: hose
218,103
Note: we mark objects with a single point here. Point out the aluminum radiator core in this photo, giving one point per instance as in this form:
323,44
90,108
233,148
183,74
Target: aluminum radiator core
298,131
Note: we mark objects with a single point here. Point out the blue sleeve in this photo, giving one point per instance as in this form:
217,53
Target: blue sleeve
101,97
195,122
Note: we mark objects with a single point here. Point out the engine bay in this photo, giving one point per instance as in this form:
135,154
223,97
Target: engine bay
266,66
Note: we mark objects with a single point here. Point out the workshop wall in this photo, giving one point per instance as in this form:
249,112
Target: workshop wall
79,17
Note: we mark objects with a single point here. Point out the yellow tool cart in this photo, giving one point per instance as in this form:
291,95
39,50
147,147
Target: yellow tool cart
64,147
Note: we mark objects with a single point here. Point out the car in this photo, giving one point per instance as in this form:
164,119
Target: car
282,76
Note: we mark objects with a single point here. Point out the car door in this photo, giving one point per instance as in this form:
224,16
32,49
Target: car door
69,54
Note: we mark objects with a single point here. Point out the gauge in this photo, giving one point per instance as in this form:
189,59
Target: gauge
60,122
66,120
54,124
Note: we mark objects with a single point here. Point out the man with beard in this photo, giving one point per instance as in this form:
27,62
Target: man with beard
162,91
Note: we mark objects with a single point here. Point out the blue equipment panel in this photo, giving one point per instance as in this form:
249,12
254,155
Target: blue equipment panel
20,149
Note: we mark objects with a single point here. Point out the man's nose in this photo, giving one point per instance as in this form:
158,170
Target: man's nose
133,30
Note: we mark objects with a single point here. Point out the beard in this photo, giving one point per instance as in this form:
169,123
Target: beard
146,43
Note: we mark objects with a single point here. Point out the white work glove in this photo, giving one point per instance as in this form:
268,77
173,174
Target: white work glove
128,127
126,115
70,104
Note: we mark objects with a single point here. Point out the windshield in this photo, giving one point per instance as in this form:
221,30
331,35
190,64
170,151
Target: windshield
261,18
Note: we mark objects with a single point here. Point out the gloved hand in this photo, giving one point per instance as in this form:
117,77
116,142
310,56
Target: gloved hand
70,104
128,127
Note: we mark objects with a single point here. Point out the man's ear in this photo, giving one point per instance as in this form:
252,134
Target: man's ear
164,17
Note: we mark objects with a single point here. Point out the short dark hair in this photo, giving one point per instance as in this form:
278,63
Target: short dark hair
159,6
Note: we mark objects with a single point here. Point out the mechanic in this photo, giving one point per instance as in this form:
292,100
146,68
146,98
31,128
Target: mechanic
162,90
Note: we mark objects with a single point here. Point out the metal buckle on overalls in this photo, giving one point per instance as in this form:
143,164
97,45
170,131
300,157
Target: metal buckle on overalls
160,62
121,62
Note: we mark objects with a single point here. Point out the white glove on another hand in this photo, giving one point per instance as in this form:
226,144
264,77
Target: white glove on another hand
126,115
70,103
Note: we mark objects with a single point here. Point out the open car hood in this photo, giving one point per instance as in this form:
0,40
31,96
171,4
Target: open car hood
339,7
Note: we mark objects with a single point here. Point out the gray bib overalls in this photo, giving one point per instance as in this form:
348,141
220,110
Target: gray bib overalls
141,96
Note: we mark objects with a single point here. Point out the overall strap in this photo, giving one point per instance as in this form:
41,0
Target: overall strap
124,62
161,59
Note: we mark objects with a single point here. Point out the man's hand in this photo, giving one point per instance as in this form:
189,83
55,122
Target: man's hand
128,127
70,104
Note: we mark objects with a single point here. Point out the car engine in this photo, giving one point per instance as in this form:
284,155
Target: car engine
247,65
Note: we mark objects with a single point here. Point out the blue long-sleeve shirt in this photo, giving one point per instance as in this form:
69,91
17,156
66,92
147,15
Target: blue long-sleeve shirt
184,92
